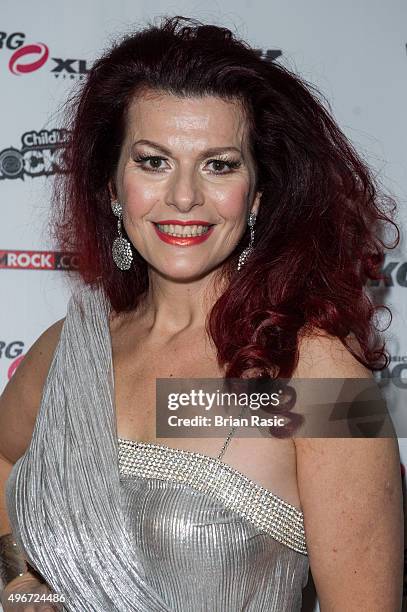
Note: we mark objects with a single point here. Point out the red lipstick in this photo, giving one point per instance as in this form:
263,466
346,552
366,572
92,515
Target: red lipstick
178,222
182,240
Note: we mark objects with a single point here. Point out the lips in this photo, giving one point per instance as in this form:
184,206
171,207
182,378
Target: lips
183,241
178,222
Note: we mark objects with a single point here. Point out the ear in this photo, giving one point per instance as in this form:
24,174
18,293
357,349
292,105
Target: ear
256,204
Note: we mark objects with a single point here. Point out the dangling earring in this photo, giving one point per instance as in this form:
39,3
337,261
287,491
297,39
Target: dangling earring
249,249
121,248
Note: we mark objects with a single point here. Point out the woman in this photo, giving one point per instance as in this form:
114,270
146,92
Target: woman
225,226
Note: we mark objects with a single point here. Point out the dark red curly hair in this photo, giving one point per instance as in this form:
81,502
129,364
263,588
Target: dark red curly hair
321,219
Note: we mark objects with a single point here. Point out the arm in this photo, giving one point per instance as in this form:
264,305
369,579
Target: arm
19,405
350,491
21,397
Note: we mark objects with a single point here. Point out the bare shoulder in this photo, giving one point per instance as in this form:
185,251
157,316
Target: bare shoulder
21,398
351,496
324,356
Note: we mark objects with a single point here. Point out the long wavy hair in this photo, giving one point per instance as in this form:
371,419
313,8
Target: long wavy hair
321,222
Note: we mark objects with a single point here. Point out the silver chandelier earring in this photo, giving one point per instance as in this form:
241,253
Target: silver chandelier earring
249,249
121,248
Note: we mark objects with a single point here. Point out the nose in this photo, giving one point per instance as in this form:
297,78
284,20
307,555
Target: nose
184,190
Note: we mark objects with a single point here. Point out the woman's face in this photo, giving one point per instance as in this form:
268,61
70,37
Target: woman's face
183,160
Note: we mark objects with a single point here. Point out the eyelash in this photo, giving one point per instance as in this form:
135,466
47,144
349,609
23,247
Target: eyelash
232,165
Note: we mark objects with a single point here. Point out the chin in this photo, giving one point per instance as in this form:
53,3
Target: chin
181,274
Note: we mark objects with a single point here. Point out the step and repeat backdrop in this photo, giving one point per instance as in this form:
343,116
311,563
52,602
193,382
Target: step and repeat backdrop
354,51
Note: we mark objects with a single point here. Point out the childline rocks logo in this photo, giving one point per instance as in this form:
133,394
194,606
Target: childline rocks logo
38,260
41,154
30,57
394,273
396,371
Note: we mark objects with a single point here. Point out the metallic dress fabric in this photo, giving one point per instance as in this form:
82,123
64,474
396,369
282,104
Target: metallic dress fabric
120,526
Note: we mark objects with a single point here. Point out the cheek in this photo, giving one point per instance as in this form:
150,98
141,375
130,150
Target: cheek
139,197
232,202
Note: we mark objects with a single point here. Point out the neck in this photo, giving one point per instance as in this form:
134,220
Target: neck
171,307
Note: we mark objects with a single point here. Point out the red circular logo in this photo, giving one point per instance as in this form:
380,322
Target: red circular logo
14,365
37,49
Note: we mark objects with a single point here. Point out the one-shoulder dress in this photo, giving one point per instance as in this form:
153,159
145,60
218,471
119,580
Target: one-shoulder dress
117,525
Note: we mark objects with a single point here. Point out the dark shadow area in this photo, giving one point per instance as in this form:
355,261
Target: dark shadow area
309,596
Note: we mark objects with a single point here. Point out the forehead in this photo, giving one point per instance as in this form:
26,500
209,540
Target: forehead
159,115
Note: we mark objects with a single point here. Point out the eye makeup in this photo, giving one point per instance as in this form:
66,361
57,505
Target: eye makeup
224,161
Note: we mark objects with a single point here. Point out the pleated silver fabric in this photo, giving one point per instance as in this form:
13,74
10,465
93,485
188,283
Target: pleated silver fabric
201,557
114,542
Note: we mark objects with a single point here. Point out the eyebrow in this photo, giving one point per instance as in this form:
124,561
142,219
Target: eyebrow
206,153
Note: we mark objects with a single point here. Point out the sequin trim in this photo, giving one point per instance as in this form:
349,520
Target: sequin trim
211,476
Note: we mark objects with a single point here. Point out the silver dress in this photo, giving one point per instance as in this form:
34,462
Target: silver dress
116,525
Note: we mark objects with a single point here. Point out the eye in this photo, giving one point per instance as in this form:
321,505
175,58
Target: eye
219,164
154,159
222,163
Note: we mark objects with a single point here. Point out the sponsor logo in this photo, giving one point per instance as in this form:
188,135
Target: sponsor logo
38,260
269,54
9,350
12,350
11,41
394,272
36,54
69,68
29,57
14,365
396,372
41,154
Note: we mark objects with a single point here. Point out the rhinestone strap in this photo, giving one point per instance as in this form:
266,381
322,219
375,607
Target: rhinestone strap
230,434
209,475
